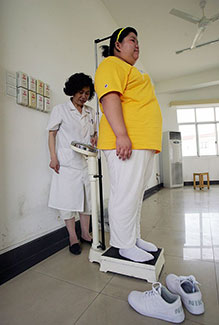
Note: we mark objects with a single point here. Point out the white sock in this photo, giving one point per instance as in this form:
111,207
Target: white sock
145,245
135,254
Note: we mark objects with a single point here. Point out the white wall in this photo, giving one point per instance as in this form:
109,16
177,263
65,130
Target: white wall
50,40
190,164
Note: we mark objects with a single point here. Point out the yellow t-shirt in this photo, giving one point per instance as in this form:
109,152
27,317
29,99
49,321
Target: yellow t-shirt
141,110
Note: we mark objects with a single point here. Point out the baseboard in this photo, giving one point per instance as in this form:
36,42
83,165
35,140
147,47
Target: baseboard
25,256
152,191
190,183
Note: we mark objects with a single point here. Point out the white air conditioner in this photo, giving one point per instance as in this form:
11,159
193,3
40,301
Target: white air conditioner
172,159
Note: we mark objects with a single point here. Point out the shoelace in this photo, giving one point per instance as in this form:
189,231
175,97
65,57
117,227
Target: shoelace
156,288
191,279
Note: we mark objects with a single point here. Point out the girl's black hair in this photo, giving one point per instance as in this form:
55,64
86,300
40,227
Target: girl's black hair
108,50
77,82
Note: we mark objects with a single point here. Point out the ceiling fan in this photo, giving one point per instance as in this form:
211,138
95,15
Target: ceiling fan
202,22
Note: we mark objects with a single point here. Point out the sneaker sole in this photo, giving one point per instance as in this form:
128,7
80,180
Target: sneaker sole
164,317
193,312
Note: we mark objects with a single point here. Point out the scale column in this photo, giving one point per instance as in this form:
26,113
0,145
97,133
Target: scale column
92,171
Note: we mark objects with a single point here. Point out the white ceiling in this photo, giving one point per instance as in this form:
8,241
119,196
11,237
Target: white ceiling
161,35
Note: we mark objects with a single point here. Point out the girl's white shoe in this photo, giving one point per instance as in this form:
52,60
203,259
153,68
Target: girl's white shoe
187,288
158,303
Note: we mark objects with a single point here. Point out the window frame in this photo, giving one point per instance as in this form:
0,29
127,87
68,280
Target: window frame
195,123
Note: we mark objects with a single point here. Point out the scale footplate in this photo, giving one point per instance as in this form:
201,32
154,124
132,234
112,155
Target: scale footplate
111,261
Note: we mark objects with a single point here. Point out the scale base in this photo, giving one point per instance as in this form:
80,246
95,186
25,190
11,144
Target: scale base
111,261
95,255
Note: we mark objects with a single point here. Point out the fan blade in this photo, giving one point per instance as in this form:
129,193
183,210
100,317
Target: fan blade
208,43
198,36
214,18
185,16
181,51
200,45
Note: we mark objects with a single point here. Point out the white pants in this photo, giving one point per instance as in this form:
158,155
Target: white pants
128,181
66,215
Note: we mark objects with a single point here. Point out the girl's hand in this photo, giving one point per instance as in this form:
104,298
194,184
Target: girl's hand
123,147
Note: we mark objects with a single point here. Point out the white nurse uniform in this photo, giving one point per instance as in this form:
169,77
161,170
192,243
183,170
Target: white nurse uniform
70,189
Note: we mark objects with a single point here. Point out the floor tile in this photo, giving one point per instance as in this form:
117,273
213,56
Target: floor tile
149,220
120,286
217,277
68,289
204,273
186,222
75,269
216,253
33,298
215,236
186,245
109,311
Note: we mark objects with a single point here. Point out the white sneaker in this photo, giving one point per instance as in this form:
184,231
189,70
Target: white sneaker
186,287
158,303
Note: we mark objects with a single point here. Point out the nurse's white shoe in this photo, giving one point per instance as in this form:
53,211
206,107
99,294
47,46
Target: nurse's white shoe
135,254
145,245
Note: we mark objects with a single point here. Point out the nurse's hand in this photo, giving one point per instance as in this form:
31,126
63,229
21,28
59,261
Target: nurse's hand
123,147
93,140
54,164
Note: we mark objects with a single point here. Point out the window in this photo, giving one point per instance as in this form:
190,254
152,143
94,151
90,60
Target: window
199,128
206,139
217,113
189,147
205,114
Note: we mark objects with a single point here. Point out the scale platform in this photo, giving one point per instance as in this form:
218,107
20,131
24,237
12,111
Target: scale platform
111,261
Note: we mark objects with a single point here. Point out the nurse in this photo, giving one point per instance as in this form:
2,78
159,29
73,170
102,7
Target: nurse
130,135
70,187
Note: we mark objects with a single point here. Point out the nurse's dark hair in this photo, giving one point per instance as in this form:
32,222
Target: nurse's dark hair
77,82
108,50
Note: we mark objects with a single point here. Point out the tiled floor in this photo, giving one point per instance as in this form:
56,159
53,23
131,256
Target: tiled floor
67,289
